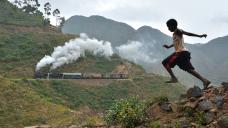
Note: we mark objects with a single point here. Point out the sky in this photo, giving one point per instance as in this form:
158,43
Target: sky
197,16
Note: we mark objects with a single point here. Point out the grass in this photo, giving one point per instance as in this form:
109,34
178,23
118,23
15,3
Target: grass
22,106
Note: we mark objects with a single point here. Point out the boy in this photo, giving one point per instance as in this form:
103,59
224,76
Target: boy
181,56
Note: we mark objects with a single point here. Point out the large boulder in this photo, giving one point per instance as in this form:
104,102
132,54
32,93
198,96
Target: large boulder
194,92
205,105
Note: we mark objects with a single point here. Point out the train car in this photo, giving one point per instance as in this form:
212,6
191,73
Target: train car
54,75
71,75
92,76
118,76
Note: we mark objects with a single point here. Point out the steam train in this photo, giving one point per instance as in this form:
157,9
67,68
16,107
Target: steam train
55,75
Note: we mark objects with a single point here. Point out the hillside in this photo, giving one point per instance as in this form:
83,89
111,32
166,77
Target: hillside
25,101
56,102
12,15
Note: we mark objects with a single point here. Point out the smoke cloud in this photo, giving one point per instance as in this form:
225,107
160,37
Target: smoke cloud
135,51
74,49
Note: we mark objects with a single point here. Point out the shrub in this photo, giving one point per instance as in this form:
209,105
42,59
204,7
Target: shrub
127,112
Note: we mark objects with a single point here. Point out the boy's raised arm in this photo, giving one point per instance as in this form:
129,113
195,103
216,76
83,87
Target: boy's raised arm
192,34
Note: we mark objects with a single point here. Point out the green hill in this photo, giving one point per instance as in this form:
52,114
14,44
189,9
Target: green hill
12,15
25,101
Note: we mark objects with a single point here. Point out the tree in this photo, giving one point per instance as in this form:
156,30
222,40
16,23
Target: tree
29,6
62,21
56,14
18,3
47,11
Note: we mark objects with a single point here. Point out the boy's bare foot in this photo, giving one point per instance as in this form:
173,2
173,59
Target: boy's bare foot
172,80
206,83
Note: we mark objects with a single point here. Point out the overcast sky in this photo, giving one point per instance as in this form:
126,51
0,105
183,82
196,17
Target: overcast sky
198,16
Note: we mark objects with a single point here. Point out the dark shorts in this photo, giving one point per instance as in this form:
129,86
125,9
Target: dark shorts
182,59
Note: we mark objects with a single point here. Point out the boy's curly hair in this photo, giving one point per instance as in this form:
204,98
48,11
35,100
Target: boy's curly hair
171,23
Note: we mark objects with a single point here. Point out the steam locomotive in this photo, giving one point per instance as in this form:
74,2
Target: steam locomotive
55,75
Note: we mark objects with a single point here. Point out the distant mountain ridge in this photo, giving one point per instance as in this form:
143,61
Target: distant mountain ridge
102,28
211,59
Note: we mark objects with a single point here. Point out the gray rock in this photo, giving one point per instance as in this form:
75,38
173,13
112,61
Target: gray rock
205,105
219,101
166,106
223,121
209,116
194,92
184,123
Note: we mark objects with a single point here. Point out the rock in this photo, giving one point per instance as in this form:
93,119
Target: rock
215,91
223,121
214,110
219,101
184,123
225,86
194,125
174,107
166,106
205,105
192,99
225,108
194,92
191,104
209,116
183,101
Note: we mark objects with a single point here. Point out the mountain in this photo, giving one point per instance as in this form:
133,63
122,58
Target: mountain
209,59
212,58
99,27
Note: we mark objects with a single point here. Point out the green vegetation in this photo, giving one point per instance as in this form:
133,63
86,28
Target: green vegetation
30,102
128,113
21,51
12,15
22,106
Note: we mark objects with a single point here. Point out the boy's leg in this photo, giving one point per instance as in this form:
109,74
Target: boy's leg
173,77
197,75
170,60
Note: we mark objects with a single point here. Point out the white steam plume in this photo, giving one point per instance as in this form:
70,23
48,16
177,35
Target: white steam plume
74,49
136,52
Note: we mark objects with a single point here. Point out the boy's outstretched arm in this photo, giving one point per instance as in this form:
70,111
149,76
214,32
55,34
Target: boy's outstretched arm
192,34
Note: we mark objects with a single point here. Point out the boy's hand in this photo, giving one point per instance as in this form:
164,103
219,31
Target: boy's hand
166,46
204,35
